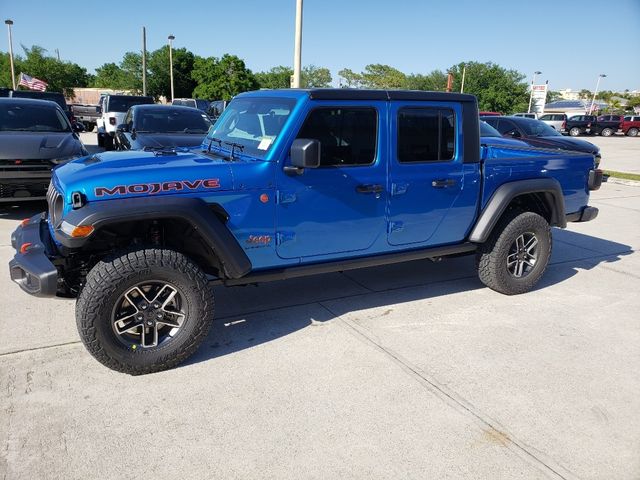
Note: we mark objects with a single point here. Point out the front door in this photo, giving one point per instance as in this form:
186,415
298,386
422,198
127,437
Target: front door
337,209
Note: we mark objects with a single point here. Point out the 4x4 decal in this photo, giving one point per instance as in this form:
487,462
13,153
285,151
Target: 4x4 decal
151,188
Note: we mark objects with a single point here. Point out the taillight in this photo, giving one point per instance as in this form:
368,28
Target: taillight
112,120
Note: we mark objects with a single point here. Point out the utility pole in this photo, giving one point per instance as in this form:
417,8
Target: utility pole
297,50
464,73
171,39
9,22
600,77
144,61
58,54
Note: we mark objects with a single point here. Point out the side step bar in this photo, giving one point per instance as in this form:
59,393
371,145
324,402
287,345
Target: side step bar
343,265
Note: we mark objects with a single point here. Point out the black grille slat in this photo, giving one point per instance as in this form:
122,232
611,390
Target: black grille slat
52,196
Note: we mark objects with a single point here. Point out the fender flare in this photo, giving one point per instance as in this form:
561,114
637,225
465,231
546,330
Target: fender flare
504,194
192,210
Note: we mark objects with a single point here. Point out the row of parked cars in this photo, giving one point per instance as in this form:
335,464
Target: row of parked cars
605,125
38,131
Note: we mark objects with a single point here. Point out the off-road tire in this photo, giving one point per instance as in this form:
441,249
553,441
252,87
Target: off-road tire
574,132
107,282
492,255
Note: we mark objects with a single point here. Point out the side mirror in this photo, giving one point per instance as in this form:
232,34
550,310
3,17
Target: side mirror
123,127
77,127
305,153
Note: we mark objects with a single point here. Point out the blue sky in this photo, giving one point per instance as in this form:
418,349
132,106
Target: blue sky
559,38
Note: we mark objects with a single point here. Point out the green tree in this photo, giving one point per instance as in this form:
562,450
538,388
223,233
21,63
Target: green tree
585,94
5,69
315,77
349,78
60,76
111,76
552,96
158,79
498,89
221,79
277,77
433,81
382,76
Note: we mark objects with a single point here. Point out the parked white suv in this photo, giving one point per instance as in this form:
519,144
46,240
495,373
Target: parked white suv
114,108
554,120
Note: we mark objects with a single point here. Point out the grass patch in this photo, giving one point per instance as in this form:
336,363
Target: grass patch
622,175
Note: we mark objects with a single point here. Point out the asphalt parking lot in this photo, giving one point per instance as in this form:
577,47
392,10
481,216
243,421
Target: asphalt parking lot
406,371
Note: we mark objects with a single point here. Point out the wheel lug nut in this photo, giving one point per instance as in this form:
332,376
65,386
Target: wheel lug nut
143,307
156,305
139,317
159,315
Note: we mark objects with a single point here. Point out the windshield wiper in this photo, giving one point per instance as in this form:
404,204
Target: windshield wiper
233,146
213,139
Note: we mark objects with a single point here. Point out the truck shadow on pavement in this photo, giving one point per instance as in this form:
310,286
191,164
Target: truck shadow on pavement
21,210
250,316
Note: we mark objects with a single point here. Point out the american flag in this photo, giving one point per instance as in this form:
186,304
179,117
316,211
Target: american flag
32,83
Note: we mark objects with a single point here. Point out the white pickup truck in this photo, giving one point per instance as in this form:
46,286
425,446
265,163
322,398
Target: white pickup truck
114,108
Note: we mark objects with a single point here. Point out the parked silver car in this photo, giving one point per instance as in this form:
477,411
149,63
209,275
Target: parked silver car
554,120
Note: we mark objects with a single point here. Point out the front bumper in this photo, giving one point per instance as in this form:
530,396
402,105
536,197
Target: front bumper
24,183
31,267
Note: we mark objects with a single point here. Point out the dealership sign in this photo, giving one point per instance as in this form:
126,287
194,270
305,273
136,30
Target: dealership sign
538,98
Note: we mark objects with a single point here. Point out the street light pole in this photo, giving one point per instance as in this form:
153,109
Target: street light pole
13,73
533,81
297,50
171,39
601,76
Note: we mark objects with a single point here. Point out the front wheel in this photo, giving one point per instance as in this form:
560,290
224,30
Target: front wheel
516,254
574,132
144,311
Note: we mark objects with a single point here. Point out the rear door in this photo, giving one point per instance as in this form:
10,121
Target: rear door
433,192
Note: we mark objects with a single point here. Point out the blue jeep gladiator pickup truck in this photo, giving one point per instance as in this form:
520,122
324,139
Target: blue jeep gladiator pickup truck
289,183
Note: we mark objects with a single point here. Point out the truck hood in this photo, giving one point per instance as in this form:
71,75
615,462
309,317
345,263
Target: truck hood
38,145
139,174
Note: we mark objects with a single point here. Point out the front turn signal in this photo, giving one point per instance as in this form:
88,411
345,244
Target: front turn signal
80,231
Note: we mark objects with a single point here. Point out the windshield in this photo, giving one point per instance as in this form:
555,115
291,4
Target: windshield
171,121
536,128
487,130
253,123
184,102
32,118
122,104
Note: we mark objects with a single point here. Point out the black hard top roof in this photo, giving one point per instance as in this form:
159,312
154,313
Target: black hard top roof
361,94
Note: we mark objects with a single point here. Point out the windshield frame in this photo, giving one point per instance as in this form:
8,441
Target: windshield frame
251,147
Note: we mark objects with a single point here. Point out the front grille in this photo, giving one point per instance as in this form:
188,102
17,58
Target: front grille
22,190
55,203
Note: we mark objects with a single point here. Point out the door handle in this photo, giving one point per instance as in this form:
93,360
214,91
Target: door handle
370,188
443,183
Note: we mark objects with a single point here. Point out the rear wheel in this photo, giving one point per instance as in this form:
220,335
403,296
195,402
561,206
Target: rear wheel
144,311
516,253
632,132
574,132
606,132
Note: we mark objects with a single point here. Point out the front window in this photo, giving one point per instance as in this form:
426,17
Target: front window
253,123
171,121
32,118
347,135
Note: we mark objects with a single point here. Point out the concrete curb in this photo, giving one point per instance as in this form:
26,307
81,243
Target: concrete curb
621,181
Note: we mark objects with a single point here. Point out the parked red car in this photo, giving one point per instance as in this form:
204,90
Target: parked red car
631,125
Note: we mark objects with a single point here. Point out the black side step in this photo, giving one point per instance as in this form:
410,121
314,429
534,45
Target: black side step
351,264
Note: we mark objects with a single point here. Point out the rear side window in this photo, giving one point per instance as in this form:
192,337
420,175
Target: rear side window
426,135
347,135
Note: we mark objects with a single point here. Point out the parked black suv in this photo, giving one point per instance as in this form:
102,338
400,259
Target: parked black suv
57,97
